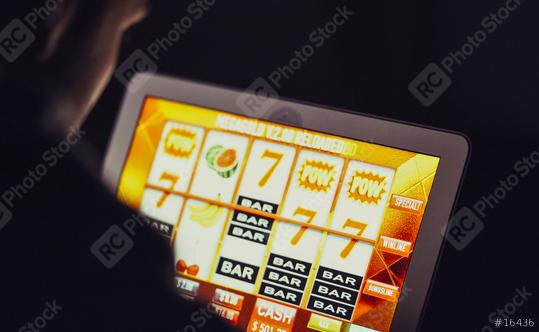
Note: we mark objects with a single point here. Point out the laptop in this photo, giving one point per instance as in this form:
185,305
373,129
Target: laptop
286,216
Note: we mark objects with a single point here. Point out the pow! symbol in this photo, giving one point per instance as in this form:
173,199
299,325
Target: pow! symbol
316,175
180,143
366,187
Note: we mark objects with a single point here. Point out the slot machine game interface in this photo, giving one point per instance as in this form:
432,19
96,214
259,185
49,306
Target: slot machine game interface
279,228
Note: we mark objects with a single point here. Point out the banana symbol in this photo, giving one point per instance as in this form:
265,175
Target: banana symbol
206,215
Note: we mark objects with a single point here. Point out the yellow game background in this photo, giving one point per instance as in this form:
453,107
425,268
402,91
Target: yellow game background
414,176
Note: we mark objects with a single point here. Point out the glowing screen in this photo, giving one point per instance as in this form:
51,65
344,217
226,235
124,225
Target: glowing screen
279,228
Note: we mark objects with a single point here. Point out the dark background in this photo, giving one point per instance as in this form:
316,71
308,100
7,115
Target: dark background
366,67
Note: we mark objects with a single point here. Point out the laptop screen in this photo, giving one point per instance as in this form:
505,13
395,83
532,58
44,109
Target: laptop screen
277,227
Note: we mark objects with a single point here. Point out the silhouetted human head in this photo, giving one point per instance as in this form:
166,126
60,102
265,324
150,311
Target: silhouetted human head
70,55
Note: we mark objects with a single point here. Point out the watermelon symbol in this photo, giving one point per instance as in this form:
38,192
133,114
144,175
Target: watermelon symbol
222,160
